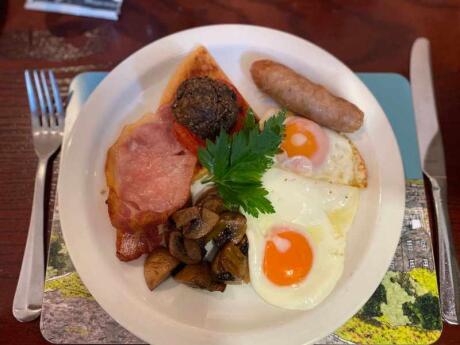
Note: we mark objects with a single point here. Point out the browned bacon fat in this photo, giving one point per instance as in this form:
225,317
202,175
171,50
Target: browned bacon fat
302,96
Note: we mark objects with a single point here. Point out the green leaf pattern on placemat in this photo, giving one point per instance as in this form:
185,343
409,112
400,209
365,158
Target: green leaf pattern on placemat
70,315
405,307
59,262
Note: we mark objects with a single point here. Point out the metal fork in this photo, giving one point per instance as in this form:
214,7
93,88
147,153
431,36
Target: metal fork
47,115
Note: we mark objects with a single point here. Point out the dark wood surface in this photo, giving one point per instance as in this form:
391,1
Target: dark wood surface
372,36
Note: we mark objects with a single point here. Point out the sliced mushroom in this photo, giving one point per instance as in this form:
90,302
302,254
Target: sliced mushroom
207,193
186,250
219,272
230,264
234,261
212,201
230,227
199,276
200,227
244,245
185,216
193,249
158,266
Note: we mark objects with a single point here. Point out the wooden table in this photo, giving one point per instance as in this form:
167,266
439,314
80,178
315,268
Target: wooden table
373,36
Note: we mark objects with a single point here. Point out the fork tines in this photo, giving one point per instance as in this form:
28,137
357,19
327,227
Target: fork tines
48,111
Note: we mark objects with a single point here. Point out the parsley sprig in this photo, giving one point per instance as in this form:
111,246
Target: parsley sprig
237,163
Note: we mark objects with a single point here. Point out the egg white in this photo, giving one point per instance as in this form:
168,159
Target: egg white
338,166
323,213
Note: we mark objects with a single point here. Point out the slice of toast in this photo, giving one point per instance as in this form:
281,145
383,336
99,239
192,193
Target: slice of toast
198,63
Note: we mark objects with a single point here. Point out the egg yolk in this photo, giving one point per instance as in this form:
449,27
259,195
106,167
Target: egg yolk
299,141
288,258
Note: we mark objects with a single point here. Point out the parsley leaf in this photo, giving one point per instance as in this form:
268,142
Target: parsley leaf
237,163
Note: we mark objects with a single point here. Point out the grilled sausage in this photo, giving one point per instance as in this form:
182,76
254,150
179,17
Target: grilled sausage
306,98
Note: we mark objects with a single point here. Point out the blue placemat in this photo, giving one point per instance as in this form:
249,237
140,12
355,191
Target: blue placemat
403,310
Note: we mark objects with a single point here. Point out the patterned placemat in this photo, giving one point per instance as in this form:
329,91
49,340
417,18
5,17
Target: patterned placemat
403,310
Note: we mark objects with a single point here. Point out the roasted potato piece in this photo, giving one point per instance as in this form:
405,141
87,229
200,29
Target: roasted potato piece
158,266
230,227
199,276
186,250
230,264
200,227
185,216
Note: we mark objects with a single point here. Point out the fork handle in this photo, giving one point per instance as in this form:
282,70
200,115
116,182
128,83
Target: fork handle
449,274
27,301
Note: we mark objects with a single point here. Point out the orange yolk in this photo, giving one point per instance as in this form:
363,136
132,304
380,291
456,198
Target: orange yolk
289,263
299,141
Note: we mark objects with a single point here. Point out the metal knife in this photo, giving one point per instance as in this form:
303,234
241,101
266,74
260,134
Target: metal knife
432,156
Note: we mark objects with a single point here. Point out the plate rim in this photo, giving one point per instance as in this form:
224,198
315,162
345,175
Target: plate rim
230,28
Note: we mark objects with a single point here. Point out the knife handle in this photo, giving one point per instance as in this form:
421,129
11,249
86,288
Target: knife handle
449,274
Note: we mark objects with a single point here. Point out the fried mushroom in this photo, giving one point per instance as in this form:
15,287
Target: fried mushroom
158,266
195,222
200,227
211,200
185,216
199,276
230,227
186,250
230,264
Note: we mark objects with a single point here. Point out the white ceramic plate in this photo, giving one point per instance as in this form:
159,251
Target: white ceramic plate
175,314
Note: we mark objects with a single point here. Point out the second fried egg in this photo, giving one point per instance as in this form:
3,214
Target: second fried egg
296,255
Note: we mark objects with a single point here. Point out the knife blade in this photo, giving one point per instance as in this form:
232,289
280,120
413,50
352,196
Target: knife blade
433,165
429,137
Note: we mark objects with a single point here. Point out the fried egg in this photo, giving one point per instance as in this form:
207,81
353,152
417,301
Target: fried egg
296,255
317,152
